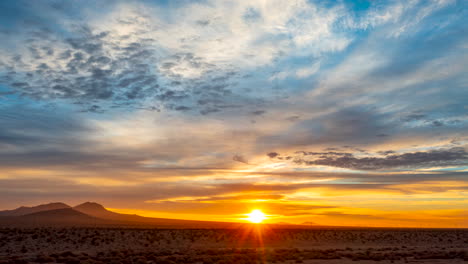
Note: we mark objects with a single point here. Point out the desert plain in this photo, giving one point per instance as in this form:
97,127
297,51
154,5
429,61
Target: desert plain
240,245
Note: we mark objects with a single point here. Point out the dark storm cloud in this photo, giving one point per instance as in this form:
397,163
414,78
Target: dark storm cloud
441,157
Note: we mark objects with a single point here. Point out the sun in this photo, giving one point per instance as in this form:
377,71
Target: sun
256,216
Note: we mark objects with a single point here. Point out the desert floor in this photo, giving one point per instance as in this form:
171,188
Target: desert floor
240,246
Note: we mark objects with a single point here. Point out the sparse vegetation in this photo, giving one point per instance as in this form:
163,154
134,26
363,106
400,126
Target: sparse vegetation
225,246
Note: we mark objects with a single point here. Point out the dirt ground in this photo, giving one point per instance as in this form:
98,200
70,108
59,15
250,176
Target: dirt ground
239,246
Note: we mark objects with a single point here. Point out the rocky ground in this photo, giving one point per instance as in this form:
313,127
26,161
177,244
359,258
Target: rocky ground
246,245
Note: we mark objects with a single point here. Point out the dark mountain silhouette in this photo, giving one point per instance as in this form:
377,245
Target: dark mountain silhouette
99,211
94,214
65,216
23,210
93,209
57,217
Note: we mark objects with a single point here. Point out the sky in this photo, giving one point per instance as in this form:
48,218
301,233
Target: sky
328,112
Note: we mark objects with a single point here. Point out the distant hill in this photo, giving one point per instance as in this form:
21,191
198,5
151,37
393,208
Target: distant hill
309,223
61,216
95,210
57,217
23,210
94,214
99,211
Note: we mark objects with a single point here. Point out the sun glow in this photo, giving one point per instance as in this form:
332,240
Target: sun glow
256,216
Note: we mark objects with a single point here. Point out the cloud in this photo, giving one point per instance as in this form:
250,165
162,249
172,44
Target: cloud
272,154
33,127
163,64
413,117
306,72
240,158
456,156
356,125
258,112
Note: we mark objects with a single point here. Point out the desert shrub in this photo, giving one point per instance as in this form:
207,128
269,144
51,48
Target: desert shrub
139,260
44,259
166,261
208,260
18,261
83,258
112,260
88,261
72,260
23,249
67,254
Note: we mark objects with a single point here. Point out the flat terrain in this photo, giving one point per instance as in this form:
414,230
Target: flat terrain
252,244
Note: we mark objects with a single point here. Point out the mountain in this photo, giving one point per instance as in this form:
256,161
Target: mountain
56,217
99,211
96,210
61,216
23,210
94,214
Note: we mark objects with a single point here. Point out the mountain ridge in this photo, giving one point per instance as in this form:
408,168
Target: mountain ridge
95,214
25,210
92,214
